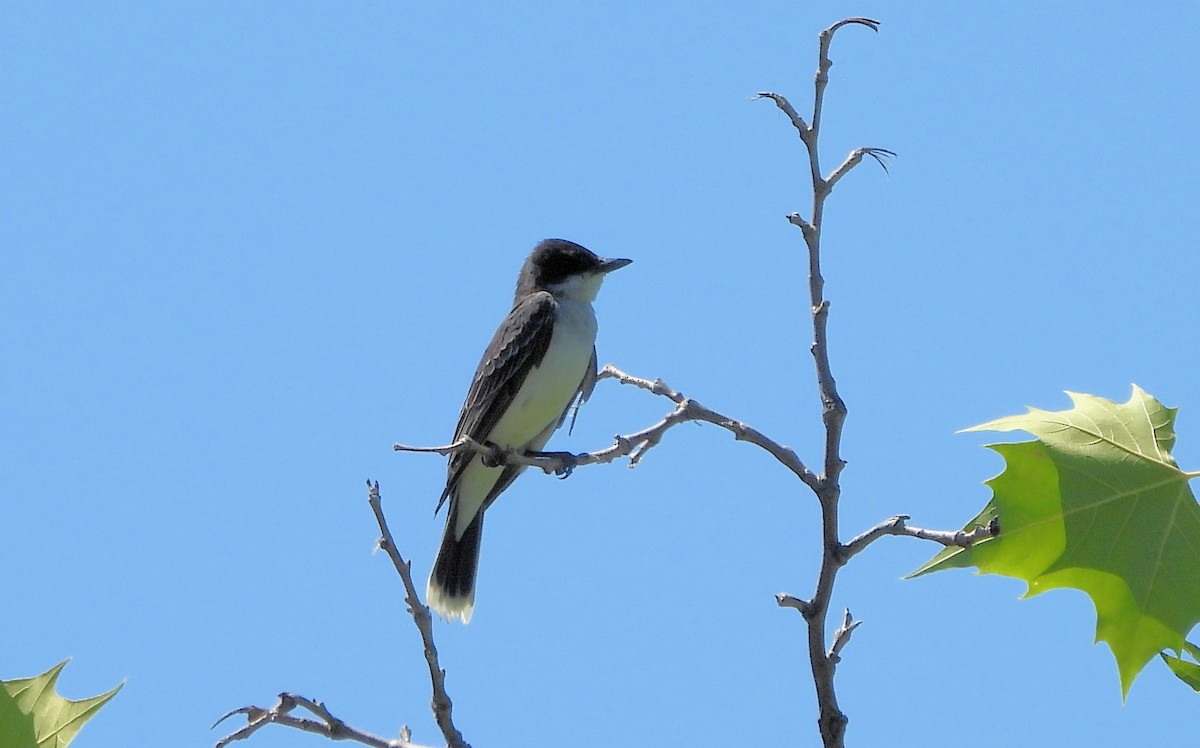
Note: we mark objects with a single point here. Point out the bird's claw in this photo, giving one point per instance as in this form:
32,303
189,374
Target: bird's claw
568,463
494,456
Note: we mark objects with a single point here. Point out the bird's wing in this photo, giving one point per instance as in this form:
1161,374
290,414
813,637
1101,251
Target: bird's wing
518,346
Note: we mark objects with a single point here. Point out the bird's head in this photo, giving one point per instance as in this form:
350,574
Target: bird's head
566,270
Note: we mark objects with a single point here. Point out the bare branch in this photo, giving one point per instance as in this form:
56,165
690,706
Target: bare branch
785,600
881,156
824,63
442,706
833,409
558,463
898,526
492,454
633,445
691,410
831,721
657,387
327,724
805,227
786,107
841,637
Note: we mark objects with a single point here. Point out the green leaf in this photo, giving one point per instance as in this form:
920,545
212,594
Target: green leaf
1188,672
32,715
1097,503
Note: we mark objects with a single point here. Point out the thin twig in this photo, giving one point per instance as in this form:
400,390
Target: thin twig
441,704
786,107
791,601
881,156
831,721
633,445
327,724
841,637
824,63
898,526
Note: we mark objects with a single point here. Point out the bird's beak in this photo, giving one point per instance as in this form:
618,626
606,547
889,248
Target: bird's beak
613,264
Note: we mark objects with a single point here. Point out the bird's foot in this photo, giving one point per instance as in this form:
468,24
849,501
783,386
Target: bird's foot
494,457
567,462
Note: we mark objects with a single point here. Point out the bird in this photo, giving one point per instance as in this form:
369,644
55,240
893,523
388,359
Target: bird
540,363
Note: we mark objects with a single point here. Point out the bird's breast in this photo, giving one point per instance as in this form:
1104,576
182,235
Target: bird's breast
550,386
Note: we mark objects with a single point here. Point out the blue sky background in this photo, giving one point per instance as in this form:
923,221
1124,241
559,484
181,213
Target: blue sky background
246,247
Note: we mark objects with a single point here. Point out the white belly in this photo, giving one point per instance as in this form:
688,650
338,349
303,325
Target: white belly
549,387
535,412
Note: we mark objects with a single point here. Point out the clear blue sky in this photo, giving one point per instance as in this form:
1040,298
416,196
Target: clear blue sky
246,247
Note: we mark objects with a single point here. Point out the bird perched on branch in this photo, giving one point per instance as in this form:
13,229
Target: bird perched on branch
541,360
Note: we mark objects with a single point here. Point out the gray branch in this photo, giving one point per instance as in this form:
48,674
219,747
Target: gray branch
830,721
634,445
786,107
841,637
898,526
442,706
329,725
881,156
326,724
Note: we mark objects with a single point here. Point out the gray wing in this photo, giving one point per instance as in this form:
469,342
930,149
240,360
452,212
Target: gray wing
519,345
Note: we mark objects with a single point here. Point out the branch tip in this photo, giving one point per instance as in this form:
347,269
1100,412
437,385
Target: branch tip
785,600
841,637
882,156
786,107
870,23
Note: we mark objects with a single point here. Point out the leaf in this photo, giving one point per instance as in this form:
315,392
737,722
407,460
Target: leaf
1188,672
32,715
1097,503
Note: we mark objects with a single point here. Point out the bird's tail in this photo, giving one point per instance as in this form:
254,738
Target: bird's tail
451,588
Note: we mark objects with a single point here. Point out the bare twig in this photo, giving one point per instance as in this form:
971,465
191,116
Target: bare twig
897,526
881,156
824,63
786,107
326,724
791,601
831,721
442,706
633,445
841,637
334,728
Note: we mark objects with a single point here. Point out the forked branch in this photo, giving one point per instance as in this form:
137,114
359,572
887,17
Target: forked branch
334,728
898,526
826,485
634,445
442,706
326,724
830,721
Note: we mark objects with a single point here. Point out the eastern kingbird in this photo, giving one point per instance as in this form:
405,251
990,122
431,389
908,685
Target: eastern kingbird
540,362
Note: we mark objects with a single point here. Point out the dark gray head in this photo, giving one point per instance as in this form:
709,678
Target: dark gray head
565,269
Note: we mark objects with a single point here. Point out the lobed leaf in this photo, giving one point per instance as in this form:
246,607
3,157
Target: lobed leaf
1098,503
33,715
